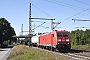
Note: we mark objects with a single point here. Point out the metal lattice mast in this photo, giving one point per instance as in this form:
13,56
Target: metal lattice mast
22,29
30,21
52,25
30,25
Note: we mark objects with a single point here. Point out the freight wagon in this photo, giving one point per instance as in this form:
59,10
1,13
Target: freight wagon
34,40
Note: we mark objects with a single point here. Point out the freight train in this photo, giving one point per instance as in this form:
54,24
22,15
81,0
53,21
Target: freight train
56,40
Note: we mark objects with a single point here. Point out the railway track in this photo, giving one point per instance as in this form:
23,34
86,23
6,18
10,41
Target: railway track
72,55
78,56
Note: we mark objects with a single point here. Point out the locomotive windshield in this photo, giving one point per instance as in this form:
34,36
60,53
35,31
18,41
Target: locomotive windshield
60,34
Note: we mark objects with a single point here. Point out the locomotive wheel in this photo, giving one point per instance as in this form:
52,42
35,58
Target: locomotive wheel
53,49
42,47
49,48
38,46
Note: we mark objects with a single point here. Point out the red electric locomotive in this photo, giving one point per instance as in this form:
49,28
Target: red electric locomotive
56,40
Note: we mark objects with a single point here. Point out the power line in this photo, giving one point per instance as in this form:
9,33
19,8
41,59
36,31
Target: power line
77,23
82,2
71,25
42,10
57,2
63,4
66,18
67,4
83,15
76,14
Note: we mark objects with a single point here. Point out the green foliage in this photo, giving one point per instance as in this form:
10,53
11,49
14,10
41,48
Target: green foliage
6,31
80,37
82,46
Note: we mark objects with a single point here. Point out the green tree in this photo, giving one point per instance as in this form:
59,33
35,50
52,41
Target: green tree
80,37
6,31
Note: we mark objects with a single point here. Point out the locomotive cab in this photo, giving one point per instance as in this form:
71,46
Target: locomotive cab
63,40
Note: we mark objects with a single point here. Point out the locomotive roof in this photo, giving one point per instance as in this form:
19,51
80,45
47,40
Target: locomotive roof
53,31
61,30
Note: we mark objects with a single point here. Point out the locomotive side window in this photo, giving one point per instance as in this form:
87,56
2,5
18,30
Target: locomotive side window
53,35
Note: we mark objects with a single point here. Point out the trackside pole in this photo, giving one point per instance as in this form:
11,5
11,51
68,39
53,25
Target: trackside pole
51,39
30,26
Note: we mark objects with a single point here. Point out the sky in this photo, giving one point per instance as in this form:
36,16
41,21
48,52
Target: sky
17,13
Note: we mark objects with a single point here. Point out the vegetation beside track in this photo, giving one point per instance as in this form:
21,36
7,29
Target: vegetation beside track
22,52
87,46
80,38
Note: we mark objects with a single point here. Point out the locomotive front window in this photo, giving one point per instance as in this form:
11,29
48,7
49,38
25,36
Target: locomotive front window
65,34
59,34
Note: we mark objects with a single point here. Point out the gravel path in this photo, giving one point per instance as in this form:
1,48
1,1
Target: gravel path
4,53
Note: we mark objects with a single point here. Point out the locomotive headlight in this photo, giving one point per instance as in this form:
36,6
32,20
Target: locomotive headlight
67,40
59,40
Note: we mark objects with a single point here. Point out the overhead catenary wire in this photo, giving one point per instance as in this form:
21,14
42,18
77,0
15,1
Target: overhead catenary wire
71,25
72,15
44,18
41,10
69,5
38,25
76,14
58,3
83,15
82,2
76,23
66,18
63,4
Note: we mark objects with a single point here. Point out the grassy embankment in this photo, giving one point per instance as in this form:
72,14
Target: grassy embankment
22,52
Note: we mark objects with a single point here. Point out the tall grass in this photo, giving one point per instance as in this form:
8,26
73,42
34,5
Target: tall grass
22,52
